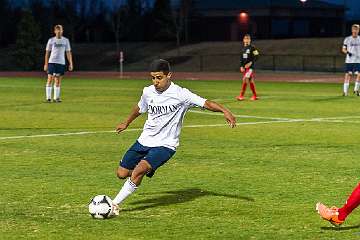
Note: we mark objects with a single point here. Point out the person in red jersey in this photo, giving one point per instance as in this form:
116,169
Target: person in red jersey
337,216
248,58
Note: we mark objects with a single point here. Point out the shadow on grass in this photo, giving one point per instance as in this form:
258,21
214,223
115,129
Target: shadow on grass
341,228
180,196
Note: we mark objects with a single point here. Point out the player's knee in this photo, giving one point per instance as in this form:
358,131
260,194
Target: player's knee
141,169
57,82
122,173
50,80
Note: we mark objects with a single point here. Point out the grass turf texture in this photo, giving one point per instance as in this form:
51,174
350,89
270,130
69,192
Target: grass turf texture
257,181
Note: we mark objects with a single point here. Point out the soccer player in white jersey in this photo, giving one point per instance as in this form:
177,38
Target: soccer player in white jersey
351,48
166,105
56,49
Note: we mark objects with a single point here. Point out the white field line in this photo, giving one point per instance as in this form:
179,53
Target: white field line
240,116
54,135
338,118
277,120
323,119
189,126
232,99
128,130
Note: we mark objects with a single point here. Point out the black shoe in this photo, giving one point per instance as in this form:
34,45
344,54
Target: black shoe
357,93
48,101
57,100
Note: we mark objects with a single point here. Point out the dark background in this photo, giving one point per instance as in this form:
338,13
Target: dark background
115,25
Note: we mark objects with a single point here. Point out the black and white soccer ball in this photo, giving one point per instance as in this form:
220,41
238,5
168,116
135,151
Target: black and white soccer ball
101,207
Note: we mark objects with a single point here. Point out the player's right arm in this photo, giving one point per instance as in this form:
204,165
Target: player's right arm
242,63
140,108
133,115
345,48
47,55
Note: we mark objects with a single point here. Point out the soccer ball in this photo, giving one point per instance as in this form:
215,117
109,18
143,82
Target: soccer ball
101,207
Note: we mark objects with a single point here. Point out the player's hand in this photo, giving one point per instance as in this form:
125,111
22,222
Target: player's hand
121,127
248,65
46,68
230,118
71,67
242,69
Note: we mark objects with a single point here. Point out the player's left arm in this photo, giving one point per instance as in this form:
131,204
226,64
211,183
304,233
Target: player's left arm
255,54
70,60
69,55
216,107
254,57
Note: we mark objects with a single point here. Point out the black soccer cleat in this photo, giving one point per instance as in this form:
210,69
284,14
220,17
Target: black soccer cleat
58,100
357,93
48,101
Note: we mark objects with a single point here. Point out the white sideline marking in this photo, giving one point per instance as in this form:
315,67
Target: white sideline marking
338,118
53,135
324,119
131,130
232,99
277,120
239,116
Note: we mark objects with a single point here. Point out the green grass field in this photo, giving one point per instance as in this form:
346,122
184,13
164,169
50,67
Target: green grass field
261,180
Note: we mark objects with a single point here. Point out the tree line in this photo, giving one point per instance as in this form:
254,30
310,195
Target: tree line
28,27
97,20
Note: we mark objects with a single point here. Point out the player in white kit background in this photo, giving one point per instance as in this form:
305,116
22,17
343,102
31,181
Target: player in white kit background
55,64
351,48
166,105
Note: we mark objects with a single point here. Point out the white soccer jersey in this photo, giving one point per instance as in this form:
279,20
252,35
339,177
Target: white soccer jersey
58,46
353,46
166,113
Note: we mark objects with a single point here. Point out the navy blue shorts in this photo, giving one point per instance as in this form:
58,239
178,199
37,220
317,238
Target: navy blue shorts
155,156
56,69
352,68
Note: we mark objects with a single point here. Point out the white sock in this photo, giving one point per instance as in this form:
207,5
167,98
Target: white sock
357,86
56,92
346,88
48,92
128,188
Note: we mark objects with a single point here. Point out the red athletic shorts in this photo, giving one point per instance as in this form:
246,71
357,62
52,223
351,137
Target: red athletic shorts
249,73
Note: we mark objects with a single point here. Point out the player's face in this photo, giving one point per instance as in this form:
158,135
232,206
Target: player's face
355,31
58,32
160,80
247,41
